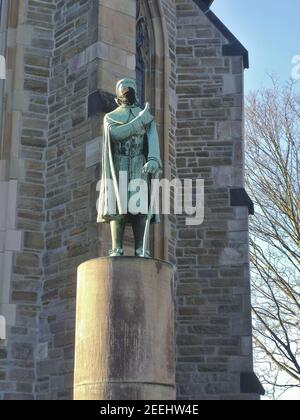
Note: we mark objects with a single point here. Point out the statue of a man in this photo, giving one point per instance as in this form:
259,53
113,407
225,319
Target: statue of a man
130,146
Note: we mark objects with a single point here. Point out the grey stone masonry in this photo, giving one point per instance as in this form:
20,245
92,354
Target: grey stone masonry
213,285
59,53
25,137
70,209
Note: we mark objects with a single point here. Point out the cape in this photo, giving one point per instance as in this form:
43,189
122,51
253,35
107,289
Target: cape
108,173
107,197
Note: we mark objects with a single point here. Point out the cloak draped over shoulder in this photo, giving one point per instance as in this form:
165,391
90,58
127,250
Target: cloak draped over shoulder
124,150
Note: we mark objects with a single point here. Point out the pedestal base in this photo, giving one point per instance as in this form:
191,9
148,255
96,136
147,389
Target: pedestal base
125,345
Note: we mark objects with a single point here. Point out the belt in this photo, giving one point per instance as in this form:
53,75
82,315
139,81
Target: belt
129,155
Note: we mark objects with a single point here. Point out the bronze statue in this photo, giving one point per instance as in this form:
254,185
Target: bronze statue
130,146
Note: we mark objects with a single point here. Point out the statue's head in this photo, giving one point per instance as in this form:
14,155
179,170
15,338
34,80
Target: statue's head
126,91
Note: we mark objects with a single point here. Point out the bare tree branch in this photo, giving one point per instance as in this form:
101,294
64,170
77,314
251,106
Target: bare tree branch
273,180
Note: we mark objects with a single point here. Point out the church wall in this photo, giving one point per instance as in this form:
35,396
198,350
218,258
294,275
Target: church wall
70,229
94,47
23,146
64,58
214,337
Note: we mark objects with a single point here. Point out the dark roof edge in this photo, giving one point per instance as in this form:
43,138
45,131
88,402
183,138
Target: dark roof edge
208,2
234,48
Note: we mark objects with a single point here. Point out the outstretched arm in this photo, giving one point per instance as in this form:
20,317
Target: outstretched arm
124,131
153,142
154,163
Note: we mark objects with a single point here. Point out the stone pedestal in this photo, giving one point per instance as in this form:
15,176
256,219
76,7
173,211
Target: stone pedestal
125,345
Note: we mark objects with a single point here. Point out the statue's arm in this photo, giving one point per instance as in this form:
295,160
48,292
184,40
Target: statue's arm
121,132
154,163
153,143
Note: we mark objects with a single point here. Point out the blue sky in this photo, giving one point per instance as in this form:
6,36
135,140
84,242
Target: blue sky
269,29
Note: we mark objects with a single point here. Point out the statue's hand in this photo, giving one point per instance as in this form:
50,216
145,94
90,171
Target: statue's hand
151,167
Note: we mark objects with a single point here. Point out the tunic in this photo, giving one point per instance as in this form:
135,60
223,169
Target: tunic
126,152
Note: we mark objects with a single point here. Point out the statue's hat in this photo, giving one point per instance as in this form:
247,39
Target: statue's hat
126,82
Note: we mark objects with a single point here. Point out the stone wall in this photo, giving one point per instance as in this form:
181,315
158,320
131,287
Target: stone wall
61,56
70,231
213,294
88,56
24,141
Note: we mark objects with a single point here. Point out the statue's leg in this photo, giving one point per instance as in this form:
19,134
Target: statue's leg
138,227
117,234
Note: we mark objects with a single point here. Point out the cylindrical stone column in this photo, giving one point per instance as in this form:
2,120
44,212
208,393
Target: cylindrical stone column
125,345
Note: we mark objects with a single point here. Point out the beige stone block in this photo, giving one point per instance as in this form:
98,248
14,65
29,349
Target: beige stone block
116,69
131,61
110,74
18,81
97,50
111,54
222,176
3,200
125,341
13,240
9,312
118,56
232,256
24,35
8,90
5,277
16,133
120,22
3,167
12,204
117,39
93,152
11,169
11,37
21,100
127,7
233,84
246,345
15,13
107,80
238,225
16,169
241,213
